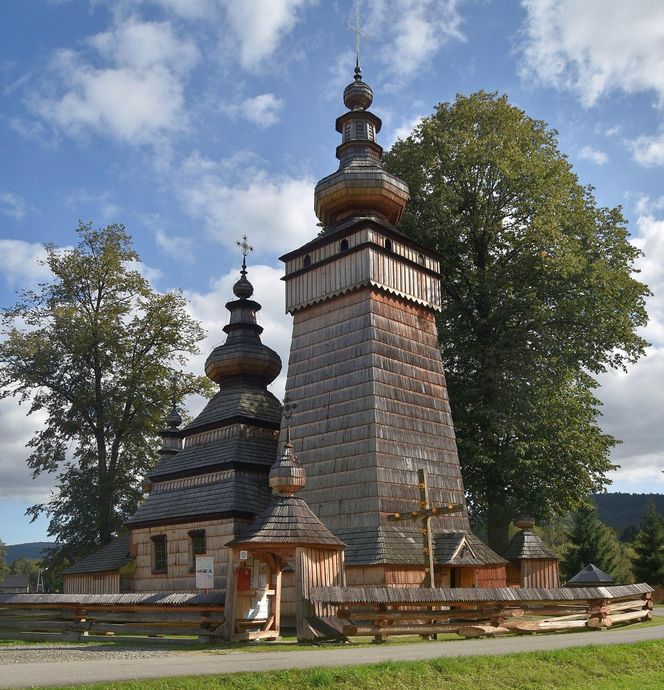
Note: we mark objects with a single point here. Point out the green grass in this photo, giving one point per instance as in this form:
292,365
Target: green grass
621,667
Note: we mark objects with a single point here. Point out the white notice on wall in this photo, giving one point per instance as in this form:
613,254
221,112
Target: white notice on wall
204,572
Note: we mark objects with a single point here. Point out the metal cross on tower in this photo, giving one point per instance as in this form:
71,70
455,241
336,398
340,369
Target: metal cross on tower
356,28
425,513
245,248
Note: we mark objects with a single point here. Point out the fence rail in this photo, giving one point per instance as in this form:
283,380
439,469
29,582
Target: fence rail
160,616
382,612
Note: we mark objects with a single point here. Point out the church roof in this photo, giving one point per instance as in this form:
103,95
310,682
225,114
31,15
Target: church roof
241,400
217,455
590,576
388,544
240,494
287,520
526,545
112,556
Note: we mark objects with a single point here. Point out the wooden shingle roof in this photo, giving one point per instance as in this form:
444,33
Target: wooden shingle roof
287,520
112,556
463,548
242,493
239,400
590,576
224,453
526,545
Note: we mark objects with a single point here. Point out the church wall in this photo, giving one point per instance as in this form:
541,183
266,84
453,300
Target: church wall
540,573
179,575
92,583
372,408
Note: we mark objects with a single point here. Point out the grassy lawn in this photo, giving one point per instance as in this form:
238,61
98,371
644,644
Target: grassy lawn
621,667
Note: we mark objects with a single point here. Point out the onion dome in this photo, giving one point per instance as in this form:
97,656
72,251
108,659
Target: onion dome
243,353
360,187
287,519
171,436
287,475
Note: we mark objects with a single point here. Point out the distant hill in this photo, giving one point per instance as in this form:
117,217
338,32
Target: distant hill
622,511
33,549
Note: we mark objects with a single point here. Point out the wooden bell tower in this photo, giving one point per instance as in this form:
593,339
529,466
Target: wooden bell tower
365,368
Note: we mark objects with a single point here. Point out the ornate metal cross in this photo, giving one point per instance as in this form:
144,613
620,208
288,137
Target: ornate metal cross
425,513
356,28
245,248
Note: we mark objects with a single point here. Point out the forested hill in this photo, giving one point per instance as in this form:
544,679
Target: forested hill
33,549
625,510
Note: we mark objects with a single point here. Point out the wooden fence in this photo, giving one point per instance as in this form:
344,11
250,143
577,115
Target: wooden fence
160,616
384,611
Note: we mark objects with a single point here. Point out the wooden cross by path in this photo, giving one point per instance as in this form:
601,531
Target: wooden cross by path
425,513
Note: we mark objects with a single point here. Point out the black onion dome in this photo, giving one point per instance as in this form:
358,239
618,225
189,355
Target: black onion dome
243,353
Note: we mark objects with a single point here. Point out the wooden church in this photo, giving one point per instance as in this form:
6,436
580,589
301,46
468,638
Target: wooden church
369,419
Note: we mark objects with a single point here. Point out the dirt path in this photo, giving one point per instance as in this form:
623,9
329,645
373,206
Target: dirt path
96,669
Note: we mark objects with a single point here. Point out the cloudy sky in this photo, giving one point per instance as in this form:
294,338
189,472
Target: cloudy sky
194,122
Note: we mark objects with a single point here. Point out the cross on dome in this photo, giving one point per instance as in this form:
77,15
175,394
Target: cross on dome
356,28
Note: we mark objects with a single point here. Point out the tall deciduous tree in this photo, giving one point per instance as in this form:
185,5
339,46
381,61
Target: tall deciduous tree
649,548
95,349
539,296
593,542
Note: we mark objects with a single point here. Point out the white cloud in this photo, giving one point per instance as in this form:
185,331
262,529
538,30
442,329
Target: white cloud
403,131
596,46
276,212
137,96
649,151
20,263
262,110
175,246
259,26
633,401
99,207
406,34
12,205
16,429
587,153
189,9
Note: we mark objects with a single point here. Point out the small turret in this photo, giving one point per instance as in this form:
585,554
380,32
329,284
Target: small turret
243,353
360,187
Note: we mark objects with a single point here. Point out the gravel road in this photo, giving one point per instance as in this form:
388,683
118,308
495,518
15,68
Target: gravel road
44,653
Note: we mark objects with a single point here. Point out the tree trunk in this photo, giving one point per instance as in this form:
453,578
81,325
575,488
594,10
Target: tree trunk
498,523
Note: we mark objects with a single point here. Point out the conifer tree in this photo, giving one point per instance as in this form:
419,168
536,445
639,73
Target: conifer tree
593,542
649,548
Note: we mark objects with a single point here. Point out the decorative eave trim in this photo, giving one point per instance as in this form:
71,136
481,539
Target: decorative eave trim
358,286
247,467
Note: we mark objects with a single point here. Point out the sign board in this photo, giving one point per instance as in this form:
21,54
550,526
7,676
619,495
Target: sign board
244,555
204,572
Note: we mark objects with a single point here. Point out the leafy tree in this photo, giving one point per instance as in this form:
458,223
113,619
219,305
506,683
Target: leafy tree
649,548
3,555
27,566
539,296
593,542
95,349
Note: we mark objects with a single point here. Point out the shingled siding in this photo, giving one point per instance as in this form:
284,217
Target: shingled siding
366,374
179,575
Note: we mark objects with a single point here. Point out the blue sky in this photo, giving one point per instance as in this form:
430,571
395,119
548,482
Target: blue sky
194,122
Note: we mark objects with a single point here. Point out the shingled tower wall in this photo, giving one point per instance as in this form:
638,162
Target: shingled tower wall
365,370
